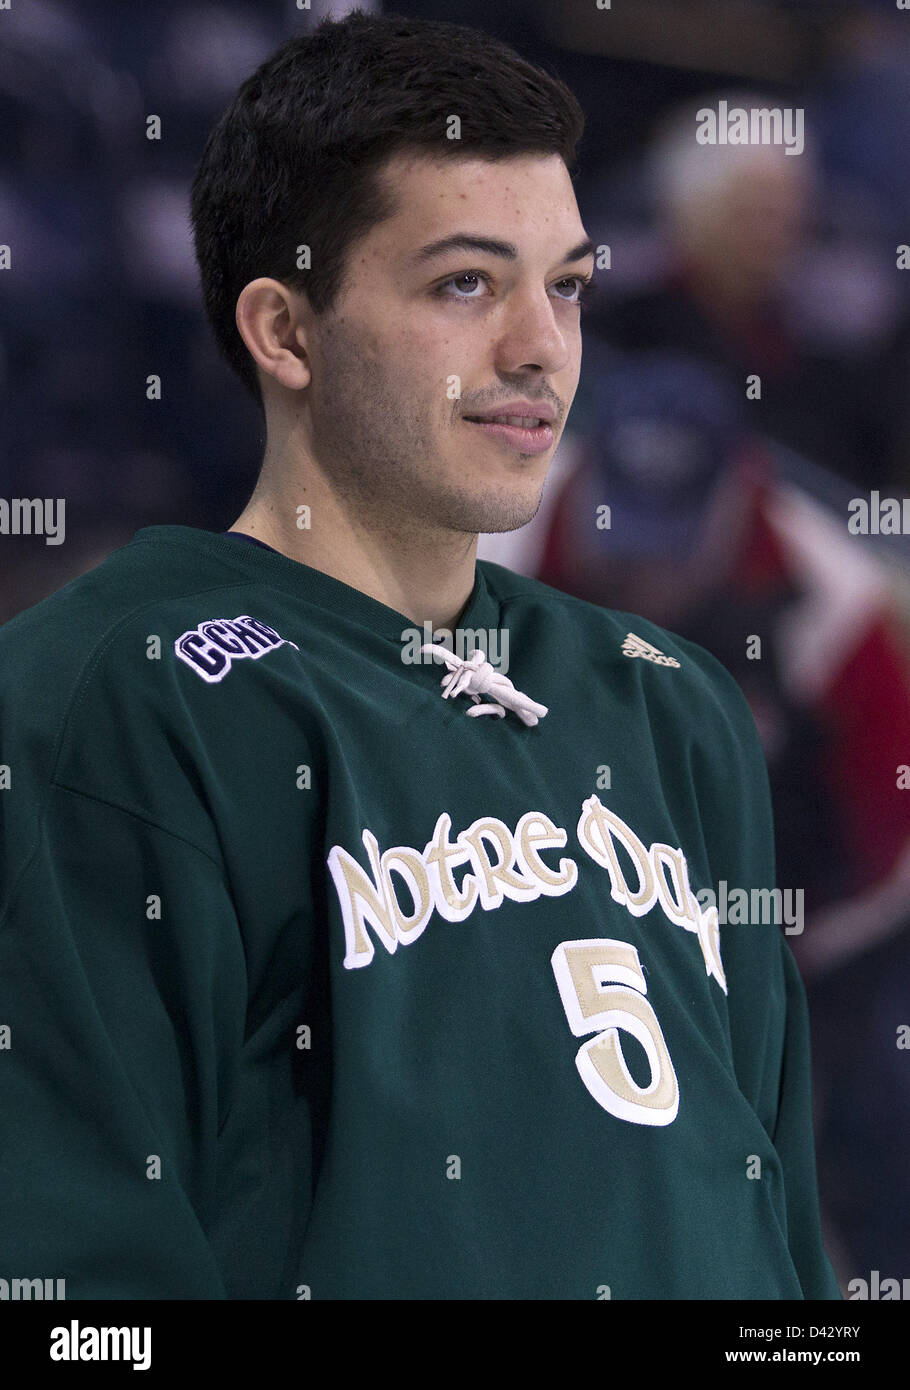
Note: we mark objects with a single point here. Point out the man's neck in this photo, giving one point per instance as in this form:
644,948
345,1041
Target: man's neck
426,576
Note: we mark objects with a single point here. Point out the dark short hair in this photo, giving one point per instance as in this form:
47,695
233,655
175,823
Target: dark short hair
295,160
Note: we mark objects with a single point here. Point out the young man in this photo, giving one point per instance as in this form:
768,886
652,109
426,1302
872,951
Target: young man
315,985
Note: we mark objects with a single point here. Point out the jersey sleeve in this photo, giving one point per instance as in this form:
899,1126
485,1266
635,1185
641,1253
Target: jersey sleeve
122,1004
766,998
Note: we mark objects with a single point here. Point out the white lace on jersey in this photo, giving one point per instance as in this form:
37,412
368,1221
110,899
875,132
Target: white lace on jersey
475,676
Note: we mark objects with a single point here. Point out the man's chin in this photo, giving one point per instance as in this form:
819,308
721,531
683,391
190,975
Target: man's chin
495,526
489,511
493,518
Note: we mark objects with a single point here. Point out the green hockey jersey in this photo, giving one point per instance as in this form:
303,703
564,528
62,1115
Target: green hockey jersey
341,959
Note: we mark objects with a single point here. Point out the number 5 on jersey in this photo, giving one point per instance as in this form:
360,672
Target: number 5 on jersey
603,990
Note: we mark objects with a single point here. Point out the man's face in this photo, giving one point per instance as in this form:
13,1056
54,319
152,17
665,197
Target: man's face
416,342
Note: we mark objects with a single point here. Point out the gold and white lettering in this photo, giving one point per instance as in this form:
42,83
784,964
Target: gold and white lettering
676,900
506,865
441,856
362,902
496,880
601,982
535,830
709,941
597,828
602,988
409,864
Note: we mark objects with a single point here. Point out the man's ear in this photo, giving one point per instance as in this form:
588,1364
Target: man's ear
269,321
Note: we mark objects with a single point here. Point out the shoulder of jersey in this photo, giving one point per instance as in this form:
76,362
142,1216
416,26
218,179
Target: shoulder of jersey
103,624
622,639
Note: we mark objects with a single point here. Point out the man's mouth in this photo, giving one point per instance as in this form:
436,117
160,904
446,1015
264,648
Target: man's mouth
527,433
523,422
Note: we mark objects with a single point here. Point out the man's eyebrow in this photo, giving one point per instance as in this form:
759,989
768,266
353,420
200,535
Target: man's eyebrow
463,241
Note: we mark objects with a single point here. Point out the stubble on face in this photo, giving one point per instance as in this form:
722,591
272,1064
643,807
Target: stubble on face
376,444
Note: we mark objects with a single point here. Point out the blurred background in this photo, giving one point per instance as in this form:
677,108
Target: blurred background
728,513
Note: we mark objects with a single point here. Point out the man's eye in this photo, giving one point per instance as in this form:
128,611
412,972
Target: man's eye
454,280
477,278
584,286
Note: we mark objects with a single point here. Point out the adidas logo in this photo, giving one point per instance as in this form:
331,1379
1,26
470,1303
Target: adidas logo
637,646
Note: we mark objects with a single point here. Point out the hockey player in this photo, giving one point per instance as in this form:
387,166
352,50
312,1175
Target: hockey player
329,972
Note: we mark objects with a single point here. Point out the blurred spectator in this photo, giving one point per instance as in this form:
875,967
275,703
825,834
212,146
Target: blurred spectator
744,286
